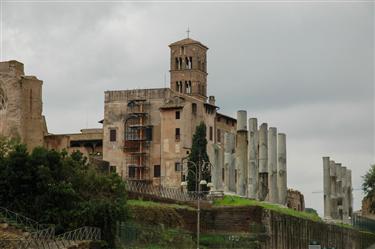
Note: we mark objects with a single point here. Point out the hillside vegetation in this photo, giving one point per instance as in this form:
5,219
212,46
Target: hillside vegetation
57,188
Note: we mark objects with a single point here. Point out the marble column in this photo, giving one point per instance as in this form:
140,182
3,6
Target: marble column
332,172
253,170
217,169
345,201
327,188
241,153
339,191
272,165
241,120
281,169
263,164
350,190
228,161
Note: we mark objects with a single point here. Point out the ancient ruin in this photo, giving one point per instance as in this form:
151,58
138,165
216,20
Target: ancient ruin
338,191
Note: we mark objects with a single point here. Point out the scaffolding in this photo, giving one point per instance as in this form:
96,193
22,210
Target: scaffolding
138,135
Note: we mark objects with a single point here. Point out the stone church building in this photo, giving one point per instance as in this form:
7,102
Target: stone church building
147,133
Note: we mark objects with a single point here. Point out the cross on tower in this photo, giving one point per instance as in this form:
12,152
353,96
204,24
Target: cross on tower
188,32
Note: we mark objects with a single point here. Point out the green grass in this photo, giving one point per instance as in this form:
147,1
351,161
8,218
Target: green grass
238,201
141,203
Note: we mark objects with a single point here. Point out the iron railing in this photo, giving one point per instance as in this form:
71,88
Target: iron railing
41,236
20,221
49,241
171,193
363,223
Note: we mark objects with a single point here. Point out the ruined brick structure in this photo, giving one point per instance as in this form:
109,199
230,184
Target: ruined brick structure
295,200
21,105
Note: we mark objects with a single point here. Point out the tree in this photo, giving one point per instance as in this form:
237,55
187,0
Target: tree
200,158
368,186
56,188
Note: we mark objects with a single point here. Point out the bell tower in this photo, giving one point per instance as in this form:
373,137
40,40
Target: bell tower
188,68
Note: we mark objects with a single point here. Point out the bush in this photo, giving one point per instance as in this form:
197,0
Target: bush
56,188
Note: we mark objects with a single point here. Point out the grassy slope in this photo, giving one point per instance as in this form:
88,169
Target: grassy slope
238,201
156,204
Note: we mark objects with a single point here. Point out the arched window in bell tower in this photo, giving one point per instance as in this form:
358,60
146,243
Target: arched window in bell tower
180,63
176,63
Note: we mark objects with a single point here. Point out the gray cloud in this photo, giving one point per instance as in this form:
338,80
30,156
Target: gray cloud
304,68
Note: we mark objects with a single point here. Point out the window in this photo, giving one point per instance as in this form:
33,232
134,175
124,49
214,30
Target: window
156,170
148,132
194,108
176,64
218,135
131,172
177,134
177,166
211,133
222,174
112,135
177,114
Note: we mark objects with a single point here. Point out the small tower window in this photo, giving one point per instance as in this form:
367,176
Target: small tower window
180,63
180,86
112,135
156,170
194,108
177,166
191,62
177,134
176,64
177,114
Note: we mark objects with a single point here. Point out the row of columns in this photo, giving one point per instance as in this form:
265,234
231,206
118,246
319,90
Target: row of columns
338,191
255,161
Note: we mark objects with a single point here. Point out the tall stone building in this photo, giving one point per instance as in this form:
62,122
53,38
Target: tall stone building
148,132
21,105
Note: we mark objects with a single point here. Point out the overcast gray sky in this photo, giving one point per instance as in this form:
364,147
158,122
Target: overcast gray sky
306,68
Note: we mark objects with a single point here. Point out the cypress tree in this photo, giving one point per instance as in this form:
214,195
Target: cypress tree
200,158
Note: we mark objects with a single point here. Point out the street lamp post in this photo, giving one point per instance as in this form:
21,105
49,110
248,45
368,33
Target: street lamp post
198,178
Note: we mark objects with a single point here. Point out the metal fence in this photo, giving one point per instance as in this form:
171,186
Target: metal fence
41,236
20,221
171,193
363,223
49,241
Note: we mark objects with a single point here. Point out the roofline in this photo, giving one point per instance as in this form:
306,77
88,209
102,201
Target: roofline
193,42
226,116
